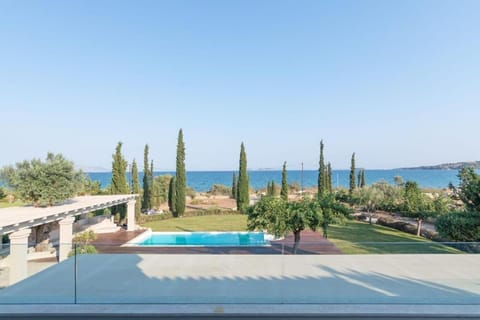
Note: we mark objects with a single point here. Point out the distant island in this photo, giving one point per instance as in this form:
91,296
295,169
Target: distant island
448,166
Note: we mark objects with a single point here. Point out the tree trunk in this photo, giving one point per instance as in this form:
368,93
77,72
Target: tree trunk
297,241
419,227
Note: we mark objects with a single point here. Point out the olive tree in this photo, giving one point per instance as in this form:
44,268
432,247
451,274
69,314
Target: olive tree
280,217
416,204
370,198
44,182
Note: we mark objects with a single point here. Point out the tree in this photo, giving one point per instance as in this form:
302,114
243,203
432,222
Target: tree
469,189
146,181
392,196
362,179
284,190
321,173
352,175
89,187
181,178
271,188
234,186
370,198
463,226
151,186
280,217
243,198
415,204
329,178
160,187
136,188
331,211
172,195
119,183
2,193
44,183
398,181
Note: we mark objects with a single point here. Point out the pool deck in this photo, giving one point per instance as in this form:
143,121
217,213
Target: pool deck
310,243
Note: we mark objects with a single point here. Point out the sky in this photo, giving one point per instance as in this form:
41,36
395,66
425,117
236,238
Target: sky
396,82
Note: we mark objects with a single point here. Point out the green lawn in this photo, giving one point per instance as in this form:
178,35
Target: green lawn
6,204
351,238
361,238
237,222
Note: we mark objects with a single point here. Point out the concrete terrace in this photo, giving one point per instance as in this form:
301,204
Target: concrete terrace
255,279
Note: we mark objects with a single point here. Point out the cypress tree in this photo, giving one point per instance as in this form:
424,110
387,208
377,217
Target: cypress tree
172,196
181,178
284,190
363,183
273,188
359,178
119,183
321,172
269,188
243,199
146,181
352,174
329,177
150,183
234,186
136,187
119,168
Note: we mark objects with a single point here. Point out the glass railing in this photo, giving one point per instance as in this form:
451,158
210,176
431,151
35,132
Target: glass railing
320,272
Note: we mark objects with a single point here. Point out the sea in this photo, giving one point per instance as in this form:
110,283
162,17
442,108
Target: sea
202,181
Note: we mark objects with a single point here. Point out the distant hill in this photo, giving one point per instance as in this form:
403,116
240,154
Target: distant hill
448,166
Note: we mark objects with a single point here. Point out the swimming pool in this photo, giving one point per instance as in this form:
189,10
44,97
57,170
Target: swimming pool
202,239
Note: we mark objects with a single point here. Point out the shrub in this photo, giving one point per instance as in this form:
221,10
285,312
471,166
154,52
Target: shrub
82,243
83,249
220,190
459,226
190,192
2,194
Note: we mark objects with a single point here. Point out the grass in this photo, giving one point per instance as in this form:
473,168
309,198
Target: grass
6,204
362,238
237,222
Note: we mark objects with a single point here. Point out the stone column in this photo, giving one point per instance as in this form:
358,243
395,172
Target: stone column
65,239
18,255
131,215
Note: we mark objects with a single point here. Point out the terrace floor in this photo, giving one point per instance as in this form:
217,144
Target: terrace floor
254,279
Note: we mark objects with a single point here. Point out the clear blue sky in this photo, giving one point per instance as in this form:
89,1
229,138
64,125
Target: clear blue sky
398,82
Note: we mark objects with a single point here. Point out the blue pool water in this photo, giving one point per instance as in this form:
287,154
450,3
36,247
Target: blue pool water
204,239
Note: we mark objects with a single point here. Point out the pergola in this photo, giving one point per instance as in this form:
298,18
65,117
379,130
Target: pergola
18,221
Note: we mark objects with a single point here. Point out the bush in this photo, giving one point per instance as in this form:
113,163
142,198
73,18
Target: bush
83,249
190,192
220,190
2,194
459,226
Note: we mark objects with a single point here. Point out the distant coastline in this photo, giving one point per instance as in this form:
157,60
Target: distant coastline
447,166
